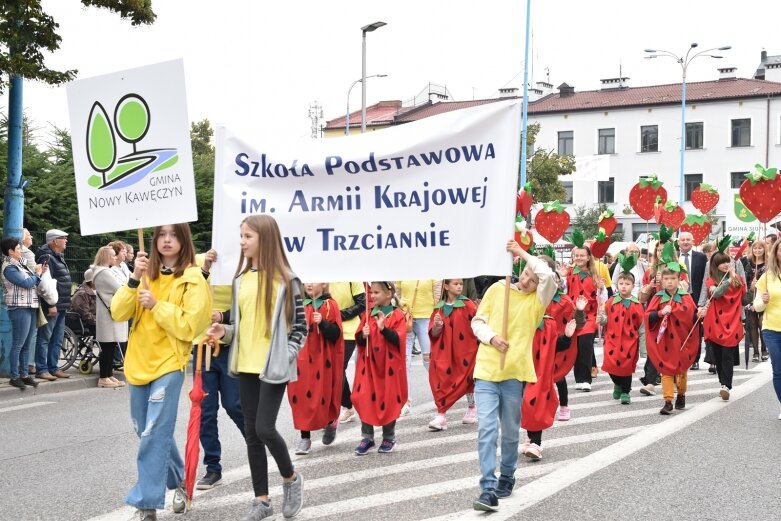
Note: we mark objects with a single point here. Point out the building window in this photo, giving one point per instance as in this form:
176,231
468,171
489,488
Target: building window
691,181
568,188
736,179
566,143
694,135
641,231
741,132
649,138
607,141
606,190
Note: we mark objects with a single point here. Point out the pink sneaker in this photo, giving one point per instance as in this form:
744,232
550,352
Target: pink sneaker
564,413
525,445
439,423
533,452
470,416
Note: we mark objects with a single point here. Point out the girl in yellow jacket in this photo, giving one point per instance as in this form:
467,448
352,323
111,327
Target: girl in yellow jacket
168,310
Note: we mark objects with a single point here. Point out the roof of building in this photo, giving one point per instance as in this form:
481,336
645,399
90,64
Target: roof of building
432,109
382,113
764,62
616,98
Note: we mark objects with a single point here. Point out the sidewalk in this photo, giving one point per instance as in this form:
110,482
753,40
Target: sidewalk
76,382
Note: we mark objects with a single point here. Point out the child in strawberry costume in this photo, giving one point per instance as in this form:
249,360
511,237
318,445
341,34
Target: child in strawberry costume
380,387
723,330
316,396
453,353
672,339
622,320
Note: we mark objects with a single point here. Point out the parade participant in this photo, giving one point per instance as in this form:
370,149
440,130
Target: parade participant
168,310
267,330
581,282
768,301
316,396
453,352
754,265
351,299
499,386
672,341
622,320
417,299
721,316
561,309
380,386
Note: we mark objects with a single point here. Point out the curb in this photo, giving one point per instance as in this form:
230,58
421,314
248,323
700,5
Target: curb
60,386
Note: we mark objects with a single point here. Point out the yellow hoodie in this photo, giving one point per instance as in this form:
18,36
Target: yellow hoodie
161,338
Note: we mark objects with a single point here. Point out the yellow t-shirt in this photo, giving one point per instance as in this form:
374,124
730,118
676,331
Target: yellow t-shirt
604,272
768,282
424,298
343,293
254,330
525,313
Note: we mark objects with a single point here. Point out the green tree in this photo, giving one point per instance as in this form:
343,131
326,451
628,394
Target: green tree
586,219
544,169
201,134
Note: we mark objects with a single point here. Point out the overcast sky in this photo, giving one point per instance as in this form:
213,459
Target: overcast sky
257,65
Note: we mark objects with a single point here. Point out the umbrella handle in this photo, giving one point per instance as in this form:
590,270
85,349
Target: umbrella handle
199,352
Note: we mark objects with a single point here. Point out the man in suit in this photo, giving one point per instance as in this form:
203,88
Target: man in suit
695,262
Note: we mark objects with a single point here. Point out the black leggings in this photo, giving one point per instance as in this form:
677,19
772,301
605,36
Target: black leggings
624,382
535,437
349,347
106,359
725,361
585,360
561,385
260,402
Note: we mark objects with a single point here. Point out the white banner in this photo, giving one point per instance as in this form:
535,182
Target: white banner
131,149
430,199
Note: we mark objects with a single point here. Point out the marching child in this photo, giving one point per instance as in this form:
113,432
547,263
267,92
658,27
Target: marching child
622,320
722,328
453,352
673,338
316,396
499,388
380,386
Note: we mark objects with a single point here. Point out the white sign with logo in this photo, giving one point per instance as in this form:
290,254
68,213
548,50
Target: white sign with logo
429,199
131,149
739,219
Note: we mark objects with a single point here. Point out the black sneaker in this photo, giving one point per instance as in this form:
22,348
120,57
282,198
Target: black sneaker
695,366
329,434
667,409
18,383
29,380
487,502
209,480
680,402
415,350
505,486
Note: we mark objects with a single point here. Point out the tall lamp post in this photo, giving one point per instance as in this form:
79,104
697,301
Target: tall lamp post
366,29
684,62
347,118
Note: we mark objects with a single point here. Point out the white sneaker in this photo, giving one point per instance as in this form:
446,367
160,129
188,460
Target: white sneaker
648,390
406,409
724,393
585,387
533,452
578,386
439,423
348,415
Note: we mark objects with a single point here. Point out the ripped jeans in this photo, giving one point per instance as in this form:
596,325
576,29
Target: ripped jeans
153,409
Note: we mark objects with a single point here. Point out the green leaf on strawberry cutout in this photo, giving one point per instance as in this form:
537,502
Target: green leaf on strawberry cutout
553,206
670,206
601,236
651,181
607,214
705,187
695,219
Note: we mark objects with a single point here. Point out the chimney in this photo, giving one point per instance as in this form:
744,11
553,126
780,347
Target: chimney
566,90
535,94
763,57
727,73
545,87
508,92
773,72
614,83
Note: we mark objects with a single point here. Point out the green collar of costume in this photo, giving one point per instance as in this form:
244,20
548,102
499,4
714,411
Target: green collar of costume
557,297
448,308
577,271
676,297
316,303
542,322
387,310
626,301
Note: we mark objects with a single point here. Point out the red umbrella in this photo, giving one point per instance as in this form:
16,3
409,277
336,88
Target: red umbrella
192,448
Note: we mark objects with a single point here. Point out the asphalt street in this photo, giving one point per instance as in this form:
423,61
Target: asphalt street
71,456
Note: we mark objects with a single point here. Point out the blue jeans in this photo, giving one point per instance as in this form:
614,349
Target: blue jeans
220,387
498,403
419,330
153,410
49,343
23,322
773,342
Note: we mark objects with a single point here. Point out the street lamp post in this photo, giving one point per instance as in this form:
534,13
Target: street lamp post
684,62
347,118
366,29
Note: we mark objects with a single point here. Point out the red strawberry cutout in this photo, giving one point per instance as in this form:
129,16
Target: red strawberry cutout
643,195
525,239
600,245
608,222
698,225
761,193
705,197
552,221
523,202
672,215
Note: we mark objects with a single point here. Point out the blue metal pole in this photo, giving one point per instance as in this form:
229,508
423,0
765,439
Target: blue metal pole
13,208
683,134
525,103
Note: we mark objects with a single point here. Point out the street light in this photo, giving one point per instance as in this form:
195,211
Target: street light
347,118
684,62
366,29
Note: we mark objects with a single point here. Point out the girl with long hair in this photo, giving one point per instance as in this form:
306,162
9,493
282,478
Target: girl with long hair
754,264
581,283
768,301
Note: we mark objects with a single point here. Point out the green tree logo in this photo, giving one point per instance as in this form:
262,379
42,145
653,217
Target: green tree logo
101,145
131,119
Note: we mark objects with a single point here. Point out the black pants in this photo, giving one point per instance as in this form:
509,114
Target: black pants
388,431
535,437
754,331
725,360
625,382
651,374
561,385
585,360
260,403
349,347
106,358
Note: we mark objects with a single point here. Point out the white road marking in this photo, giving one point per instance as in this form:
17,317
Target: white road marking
25,406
